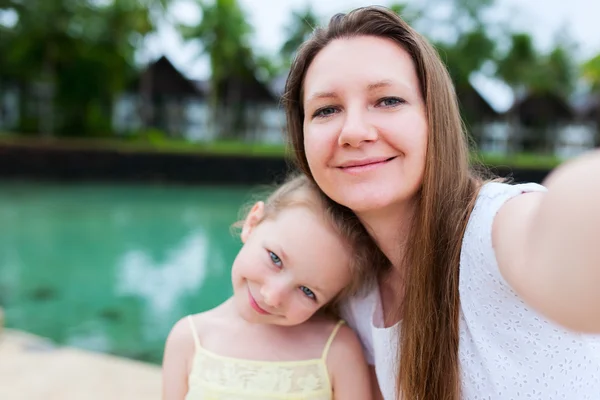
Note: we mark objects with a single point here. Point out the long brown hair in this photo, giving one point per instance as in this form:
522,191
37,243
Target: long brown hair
428,366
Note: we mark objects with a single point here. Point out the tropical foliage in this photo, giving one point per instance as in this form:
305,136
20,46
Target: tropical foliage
70,59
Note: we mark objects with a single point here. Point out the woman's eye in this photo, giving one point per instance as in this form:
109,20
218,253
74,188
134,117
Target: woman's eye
390,101
308,293
324,112
275,258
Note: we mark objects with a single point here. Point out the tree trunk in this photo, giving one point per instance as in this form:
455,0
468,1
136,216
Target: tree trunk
46,100
145,88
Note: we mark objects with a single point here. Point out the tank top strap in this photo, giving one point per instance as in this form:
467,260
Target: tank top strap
194,333
331,337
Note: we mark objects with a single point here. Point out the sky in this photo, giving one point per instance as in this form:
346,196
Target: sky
544,19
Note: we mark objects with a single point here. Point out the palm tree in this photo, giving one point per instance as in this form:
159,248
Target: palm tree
79,53
408,13
529,73
591,73
225,36
517,66
463,58
301,26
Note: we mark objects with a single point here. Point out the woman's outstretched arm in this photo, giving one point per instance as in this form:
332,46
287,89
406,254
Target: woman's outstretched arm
548,245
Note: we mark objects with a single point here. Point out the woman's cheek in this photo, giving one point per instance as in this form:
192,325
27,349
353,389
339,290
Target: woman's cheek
317,145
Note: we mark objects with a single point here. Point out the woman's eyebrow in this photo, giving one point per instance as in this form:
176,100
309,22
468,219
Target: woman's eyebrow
379,84
322,95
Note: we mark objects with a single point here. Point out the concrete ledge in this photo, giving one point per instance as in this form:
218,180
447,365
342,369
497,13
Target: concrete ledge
32,368
105,165
61,164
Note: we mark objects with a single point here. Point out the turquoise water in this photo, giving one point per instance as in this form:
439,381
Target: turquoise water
112,268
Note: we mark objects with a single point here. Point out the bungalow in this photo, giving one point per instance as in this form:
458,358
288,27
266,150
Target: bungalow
159,97
548,123
162,98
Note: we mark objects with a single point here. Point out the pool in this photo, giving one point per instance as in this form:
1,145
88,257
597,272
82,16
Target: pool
111,268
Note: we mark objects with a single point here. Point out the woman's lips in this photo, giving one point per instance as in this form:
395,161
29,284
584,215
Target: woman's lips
364,165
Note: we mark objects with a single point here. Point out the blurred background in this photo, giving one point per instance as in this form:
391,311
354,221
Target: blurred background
92,91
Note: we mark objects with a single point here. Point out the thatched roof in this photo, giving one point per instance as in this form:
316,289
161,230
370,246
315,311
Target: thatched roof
235,90
591,108
541,109
163,79
246,89
473,106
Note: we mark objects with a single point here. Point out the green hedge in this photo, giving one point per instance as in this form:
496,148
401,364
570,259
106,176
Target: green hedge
158,143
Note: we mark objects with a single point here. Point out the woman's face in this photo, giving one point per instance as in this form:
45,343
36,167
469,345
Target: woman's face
365,125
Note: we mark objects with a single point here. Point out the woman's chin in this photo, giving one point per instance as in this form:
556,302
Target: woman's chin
362,202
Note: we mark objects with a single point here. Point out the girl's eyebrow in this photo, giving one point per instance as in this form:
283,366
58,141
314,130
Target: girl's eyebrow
277,249
319,290
290,265
283,255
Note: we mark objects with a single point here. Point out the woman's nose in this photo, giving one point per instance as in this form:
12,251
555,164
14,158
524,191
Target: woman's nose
356,130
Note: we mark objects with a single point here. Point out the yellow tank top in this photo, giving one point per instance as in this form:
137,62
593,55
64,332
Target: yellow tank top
215,377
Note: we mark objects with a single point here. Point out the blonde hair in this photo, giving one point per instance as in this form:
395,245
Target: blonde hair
428,343
367,258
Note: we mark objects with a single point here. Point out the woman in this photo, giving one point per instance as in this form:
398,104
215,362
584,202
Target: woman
493,291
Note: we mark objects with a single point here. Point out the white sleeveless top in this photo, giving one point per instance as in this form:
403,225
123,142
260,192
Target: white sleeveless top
506,350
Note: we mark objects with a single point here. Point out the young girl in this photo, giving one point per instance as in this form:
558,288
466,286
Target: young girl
274,339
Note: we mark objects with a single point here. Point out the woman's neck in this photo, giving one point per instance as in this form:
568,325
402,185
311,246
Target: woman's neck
390,228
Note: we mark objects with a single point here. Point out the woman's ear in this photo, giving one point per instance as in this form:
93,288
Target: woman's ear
253,218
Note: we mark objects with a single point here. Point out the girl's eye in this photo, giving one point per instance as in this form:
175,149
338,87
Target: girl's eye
324,112
390,101
275,258
309,293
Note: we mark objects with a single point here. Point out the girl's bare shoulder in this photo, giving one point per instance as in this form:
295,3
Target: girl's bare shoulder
198,325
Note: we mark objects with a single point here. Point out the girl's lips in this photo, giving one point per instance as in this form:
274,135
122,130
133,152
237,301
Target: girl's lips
255,305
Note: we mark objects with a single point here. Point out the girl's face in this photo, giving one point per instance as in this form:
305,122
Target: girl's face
365,125
289,266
